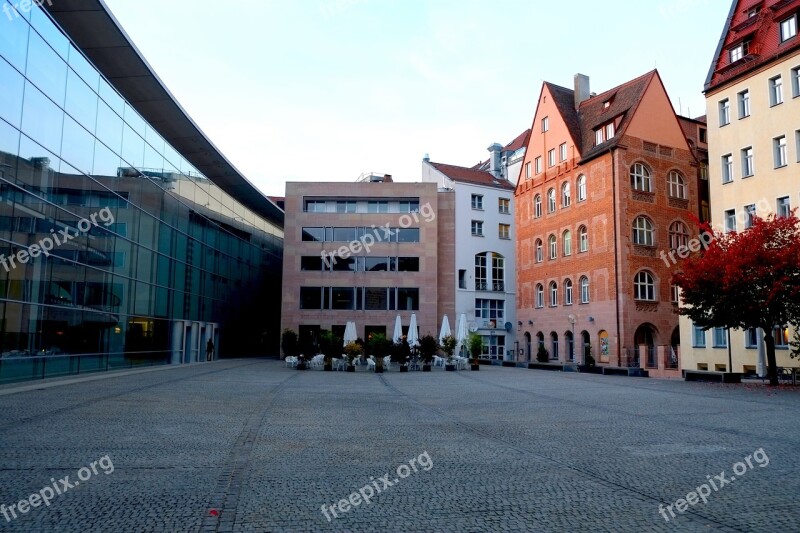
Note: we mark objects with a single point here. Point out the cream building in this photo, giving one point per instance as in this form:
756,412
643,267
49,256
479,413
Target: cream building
753,103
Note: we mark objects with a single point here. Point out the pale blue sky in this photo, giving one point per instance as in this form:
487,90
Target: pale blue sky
327,89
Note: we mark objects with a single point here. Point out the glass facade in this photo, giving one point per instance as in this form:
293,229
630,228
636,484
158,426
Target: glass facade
114,249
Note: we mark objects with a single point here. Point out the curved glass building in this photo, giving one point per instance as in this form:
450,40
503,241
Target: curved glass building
126,238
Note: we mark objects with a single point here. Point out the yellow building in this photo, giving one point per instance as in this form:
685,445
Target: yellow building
753,103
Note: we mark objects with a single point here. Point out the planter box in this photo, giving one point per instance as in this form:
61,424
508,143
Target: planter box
510,364
426,368
475,367
545,366
590,369
450,368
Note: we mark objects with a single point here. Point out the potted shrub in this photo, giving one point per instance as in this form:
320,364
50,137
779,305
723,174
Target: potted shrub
475,347
379,347
543,356
427,348
330,346
352,350
449,344
289,343
401,353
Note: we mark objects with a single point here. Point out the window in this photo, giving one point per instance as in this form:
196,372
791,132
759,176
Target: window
553,246
537,206
553,345
744,104
490,310
504,231
747,162
377,207
567,238
751,338
538,161
703,171
727,168
481,272
545,124
566,198
497,281
477,228
609,131
788,28
797,142
562,152
730,220
643,231
703,135
568,292
784,207
311,297
781,334
311,263
749,215
551,157
316,206
528,169
407,299
724,112
644,286
504,206
551,201
539,296
347,206
408,206
583,239
407,235
674,292
539,251
581,188
737,52
313,234
796,82
598,136
678,235
698,337
344,234
779,146
584,290
462,279
640,178
477,202
677,185
720,338
553,294
408,264
775,91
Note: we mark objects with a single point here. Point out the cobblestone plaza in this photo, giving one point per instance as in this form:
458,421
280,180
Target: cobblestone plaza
250,445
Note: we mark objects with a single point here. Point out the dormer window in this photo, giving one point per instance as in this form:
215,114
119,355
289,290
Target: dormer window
788,28
752,12
739,51
604,133
606,104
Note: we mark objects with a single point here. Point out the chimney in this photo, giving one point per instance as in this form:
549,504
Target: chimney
495,151
582,92
427,158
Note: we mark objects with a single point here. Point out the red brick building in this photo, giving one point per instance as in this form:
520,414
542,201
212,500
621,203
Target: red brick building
608,187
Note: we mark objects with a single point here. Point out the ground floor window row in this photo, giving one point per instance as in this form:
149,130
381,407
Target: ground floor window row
751,337
333,263
363,234
359,298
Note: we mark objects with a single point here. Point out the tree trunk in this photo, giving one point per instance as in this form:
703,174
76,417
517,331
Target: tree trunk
772,366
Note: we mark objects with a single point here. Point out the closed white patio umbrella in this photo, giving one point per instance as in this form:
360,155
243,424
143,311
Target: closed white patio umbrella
445,331
413,334
397,337
461,332
350,333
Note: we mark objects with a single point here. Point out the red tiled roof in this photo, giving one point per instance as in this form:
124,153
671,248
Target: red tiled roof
762,33
470,175
520,142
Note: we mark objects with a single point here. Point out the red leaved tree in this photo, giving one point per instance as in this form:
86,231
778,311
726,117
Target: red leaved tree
746,280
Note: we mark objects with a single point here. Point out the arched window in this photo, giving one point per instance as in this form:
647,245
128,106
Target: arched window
644,286
553,345
677,185
539,296
566,197
539,340
568,292
553,294
567,238
584,290
583,238
640,178
486,279
570,345
643,231
537,206
551,201
581,188
678,235
539,251
551,241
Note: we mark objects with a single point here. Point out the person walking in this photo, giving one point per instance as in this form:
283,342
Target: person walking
209,350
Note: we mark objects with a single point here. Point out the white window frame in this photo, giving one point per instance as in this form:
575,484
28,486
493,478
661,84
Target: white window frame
551,158
539,250
748,167
551,201
780,151
788,28
562,152
537,206
730,220
724,112
641,178
784,206
677,185
552,245
585,292
539,296
568,292
644,286
553,294
643,231
581,188
583,239
727,168
567,242
744,103
775,91
566,194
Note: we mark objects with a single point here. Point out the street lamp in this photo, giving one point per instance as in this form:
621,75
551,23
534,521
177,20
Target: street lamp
572,319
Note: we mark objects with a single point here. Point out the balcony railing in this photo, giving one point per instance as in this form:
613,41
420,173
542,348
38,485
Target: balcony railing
497,286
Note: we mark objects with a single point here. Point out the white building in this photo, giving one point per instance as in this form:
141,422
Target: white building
484,235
